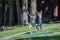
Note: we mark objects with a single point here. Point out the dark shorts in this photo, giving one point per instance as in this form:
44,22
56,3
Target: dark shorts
39,24
33,24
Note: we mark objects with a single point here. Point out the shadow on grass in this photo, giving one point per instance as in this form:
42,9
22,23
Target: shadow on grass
10,28
41,38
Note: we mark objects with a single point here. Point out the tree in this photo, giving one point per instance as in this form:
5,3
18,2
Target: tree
1,15
10,12
24,10
6,14
18,11
33,6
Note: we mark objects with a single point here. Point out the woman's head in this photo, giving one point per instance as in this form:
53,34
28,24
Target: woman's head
40,13
32,14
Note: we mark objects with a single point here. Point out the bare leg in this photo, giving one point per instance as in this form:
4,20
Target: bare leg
35,29
30,29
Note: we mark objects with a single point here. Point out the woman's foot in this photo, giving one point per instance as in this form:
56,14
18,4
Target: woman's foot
40,30
30,32
35,29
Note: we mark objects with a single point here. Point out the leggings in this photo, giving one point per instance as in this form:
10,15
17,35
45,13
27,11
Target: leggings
39,26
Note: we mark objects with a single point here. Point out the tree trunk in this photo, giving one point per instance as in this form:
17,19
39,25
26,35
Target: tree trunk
1,13
6,14
18,11
10,12
24,10
33,6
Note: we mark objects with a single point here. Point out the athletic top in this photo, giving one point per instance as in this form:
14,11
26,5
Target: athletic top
33,19
39,21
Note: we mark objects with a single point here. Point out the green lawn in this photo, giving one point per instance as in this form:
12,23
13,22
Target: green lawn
20,29
57,37
13,31
38,37
46,28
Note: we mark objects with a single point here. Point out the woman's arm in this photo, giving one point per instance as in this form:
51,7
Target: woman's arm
29,14
37,14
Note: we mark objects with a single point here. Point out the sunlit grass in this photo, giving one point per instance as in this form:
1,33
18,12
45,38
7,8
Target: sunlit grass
13,31
22,28
53,28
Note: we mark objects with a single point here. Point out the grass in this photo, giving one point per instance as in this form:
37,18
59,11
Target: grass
16,30
54,28
38,37
43,38
20,29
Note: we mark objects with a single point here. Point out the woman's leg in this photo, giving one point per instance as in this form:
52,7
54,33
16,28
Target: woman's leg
41,27
37,27
30,28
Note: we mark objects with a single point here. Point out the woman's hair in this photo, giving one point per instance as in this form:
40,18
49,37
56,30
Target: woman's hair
41,11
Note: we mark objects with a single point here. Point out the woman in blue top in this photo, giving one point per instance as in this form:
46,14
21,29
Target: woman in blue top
39,20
